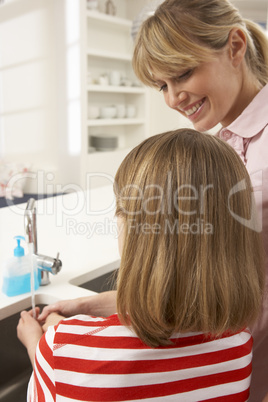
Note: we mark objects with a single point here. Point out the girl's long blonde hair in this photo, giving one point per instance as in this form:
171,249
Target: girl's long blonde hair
192,257
184,33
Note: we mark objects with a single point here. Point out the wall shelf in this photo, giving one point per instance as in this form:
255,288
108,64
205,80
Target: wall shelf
114,122
109,19
109,55
104,154
114,89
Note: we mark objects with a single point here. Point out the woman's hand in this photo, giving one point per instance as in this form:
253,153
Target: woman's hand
29,331
66,308
52,319
102,304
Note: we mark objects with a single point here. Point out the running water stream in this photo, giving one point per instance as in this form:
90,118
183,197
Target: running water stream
33,277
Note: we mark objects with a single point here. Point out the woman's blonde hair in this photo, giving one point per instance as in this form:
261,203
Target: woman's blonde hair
184,33
192,258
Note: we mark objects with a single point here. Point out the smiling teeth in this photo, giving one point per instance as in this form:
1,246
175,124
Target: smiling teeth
193,109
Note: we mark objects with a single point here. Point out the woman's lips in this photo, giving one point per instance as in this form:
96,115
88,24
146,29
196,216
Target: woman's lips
194,110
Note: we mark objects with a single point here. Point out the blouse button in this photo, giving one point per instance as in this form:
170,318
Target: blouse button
227,134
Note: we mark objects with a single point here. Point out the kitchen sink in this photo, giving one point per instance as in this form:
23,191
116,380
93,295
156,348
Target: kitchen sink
101,283
15,368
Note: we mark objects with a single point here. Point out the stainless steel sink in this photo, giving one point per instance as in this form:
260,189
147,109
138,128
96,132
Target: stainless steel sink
101,283
15,366
15,369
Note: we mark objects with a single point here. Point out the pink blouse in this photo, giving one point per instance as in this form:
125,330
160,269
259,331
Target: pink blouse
248,135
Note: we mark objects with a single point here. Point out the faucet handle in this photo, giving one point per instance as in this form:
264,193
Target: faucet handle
49,264
57,264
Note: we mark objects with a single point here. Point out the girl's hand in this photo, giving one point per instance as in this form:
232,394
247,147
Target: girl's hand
29,331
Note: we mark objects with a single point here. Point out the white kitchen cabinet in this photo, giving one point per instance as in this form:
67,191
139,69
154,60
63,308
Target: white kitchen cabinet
108,47
255,10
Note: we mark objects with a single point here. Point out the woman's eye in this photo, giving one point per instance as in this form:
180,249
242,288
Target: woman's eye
163,88
185,75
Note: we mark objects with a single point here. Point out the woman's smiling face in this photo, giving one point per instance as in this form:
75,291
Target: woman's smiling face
206,95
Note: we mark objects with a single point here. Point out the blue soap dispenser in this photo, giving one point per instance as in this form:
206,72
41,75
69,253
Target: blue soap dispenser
17,272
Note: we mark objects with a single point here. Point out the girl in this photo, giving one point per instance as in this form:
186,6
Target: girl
190,280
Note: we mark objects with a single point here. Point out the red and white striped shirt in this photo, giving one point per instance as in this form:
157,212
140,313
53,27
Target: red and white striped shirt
87,358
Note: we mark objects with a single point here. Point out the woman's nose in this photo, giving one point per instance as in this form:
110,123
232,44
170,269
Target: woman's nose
175,97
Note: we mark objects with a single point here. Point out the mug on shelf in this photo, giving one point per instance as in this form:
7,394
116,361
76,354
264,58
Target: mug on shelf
131,111
108,112
93,112
115,78
121,111
103,79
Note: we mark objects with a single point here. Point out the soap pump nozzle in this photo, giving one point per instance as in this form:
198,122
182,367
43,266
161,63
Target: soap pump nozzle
19,250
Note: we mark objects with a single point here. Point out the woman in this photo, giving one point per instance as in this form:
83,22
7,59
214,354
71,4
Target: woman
212,67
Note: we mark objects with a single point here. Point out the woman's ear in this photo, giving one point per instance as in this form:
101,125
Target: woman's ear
237,46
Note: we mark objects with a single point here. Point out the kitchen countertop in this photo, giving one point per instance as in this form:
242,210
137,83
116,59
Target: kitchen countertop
80,226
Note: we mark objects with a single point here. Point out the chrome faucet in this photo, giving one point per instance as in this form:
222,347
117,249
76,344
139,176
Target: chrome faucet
44,263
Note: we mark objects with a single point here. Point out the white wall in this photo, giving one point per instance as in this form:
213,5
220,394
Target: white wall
26,67
37,101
